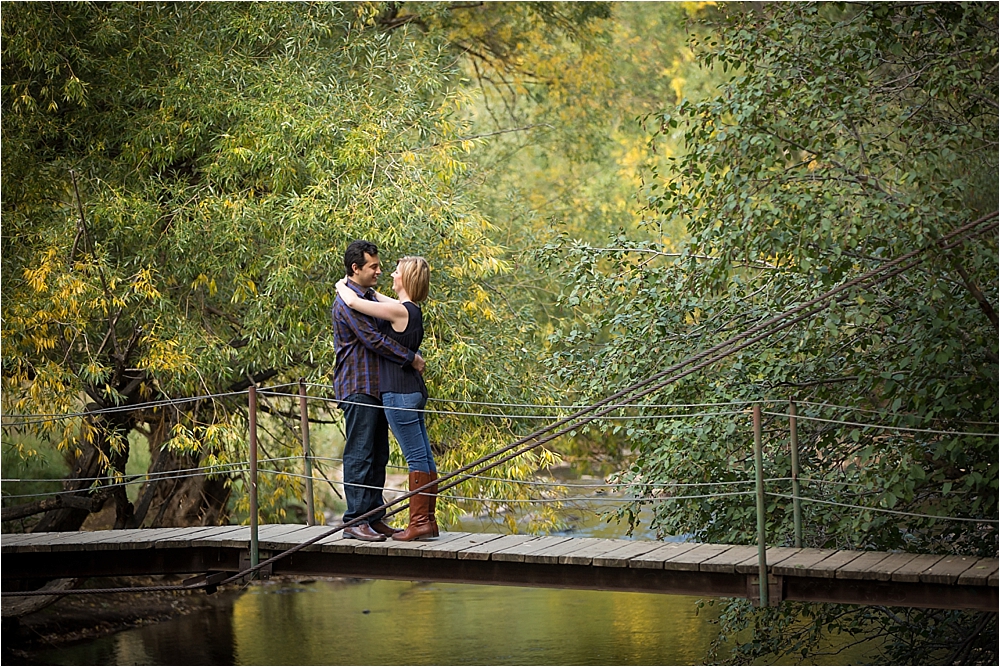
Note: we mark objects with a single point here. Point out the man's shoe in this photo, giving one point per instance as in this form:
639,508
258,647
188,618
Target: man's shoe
364,533
382,528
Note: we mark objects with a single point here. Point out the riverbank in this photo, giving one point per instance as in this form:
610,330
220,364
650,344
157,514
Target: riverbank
80,618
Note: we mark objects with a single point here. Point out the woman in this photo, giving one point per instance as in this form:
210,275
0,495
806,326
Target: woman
404,393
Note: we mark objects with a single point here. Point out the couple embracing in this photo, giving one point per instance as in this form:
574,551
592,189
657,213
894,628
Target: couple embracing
379,383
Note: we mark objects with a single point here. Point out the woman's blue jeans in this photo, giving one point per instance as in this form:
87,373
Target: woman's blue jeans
408,426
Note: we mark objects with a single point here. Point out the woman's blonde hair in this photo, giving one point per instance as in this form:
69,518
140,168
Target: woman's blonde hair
415,274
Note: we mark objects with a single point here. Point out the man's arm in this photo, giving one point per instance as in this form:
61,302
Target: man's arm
373,339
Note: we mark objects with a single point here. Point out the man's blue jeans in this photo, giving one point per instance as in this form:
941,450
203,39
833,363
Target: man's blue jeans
366,454
409,428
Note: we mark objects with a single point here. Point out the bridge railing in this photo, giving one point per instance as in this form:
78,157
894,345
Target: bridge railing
308,459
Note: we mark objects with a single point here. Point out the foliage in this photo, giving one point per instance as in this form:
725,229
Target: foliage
846,136
179,183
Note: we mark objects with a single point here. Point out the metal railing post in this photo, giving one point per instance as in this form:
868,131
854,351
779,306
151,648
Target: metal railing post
306,454
758,464
793,429
254,550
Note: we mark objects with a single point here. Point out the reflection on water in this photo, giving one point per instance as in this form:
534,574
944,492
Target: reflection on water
204,638
388,622
397,623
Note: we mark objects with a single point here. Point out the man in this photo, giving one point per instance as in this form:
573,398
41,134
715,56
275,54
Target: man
360,349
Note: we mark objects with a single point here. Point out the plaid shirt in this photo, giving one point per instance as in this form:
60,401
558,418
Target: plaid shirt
359,346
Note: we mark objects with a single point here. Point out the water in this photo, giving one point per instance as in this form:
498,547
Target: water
396,623
393,623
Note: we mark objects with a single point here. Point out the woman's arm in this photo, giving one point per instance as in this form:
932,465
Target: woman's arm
390,310
385,299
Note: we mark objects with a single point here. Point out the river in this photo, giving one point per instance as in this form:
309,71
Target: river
353,622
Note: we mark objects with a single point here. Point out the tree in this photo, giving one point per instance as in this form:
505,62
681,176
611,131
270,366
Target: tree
846,135
179,184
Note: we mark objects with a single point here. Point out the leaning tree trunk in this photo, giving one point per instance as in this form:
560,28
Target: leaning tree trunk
166,500
106,455
87,464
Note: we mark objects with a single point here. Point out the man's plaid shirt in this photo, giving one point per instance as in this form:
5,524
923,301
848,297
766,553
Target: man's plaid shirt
359,346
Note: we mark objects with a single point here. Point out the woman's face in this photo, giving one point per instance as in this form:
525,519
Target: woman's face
396,284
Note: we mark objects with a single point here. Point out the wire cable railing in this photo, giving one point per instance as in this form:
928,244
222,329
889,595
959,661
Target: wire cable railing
640,390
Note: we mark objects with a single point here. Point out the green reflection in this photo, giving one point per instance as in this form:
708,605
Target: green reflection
392,622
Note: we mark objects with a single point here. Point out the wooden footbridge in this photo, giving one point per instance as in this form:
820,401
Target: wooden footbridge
679,568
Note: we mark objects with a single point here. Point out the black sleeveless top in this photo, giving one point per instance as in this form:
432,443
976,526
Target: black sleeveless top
393,377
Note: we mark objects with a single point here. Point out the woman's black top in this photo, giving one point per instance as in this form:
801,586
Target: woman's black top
393,377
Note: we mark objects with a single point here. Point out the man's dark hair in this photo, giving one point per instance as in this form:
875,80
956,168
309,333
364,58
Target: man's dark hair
355,254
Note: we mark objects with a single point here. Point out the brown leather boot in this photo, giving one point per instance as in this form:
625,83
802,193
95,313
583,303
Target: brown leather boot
422,524
434,499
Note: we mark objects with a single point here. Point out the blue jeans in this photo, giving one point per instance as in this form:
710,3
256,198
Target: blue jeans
409,428
366,454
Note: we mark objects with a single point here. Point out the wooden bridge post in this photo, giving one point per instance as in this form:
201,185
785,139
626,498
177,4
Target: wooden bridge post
304,419
254,548
758,464
796,498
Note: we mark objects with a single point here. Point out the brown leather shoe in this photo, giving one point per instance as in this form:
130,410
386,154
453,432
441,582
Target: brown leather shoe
383,528
364,533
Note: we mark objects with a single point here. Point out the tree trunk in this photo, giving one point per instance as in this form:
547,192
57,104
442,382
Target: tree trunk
87,464
108,432
178,501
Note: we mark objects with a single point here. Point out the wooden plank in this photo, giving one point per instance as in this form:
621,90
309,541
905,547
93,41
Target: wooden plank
114,540
947,570
882,571
306,533
858,567
146,538
802,563
415,548
233,537
80,541
979,573
482,551
515,553
10,539
337,544
368,548
729,559
824,567
690,560
827,568
621,556
877,566
552,555
911,571
586,554
451,548
281,540
84,540
654,559
774,556
276,531
135,538
183,539
38,539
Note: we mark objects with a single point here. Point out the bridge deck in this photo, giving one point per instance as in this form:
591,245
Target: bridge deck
817,575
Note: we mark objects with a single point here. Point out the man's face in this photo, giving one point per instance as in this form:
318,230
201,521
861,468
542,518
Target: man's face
367,276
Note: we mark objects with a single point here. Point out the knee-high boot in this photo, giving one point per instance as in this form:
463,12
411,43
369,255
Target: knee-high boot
422,525
434,499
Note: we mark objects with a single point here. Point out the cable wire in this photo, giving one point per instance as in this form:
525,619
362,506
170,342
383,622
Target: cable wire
885,511
881,426
651,384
